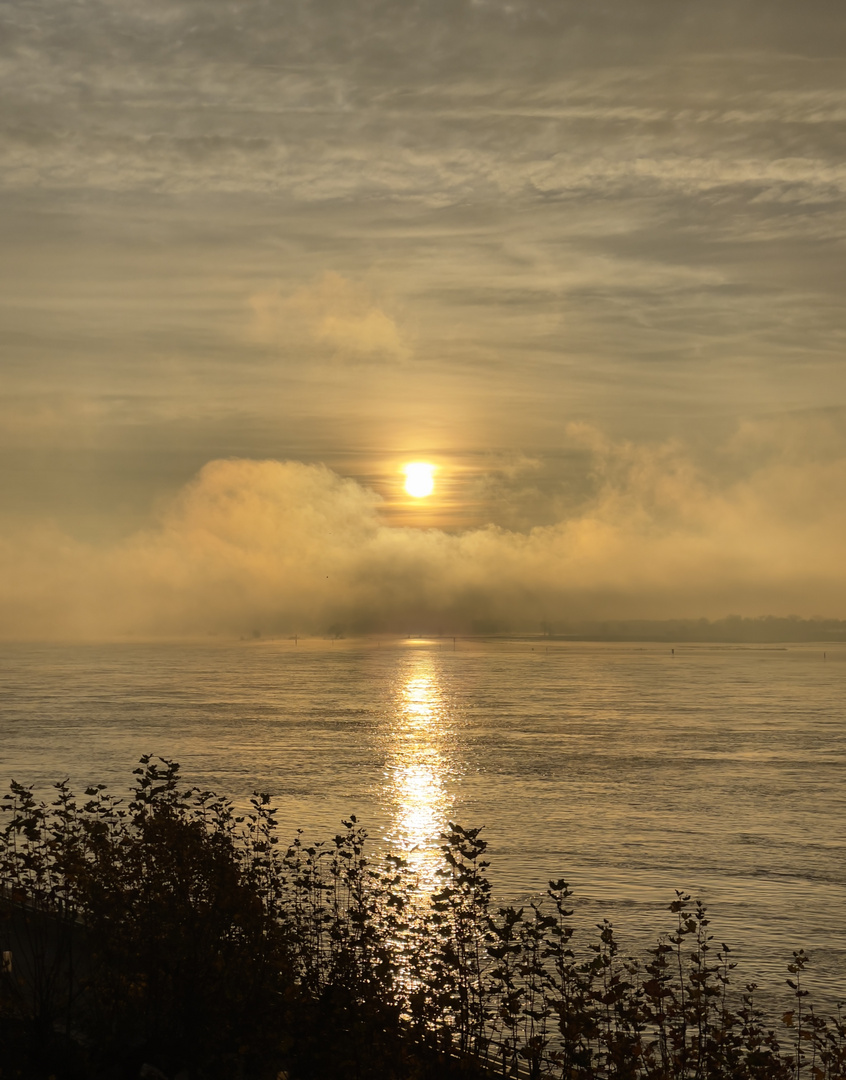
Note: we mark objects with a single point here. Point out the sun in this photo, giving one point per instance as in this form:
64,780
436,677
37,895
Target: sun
419,479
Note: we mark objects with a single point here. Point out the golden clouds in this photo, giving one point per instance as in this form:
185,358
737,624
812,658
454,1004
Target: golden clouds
282,546
335,314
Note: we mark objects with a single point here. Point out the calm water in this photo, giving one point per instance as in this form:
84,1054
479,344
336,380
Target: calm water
622,768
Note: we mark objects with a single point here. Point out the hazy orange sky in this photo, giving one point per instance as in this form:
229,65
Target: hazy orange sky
588,258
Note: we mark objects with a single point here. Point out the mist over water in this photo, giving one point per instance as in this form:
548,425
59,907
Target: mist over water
626,769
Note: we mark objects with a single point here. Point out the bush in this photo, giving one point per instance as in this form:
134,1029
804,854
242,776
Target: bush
169,931
144,927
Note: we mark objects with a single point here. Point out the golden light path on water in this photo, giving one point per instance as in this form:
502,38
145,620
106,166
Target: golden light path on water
417,769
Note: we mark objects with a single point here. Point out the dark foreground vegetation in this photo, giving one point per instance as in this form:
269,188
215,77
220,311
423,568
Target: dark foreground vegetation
166,933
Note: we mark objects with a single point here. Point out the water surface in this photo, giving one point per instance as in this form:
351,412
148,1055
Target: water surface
626,769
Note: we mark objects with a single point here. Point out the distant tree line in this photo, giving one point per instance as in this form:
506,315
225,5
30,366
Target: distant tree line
766,629
168,935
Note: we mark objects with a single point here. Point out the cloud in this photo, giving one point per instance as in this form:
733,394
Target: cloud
334,313
430,103
283,547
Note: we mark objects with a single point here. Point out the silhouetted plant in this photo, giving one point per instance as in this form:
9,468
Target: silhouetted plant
173,930
179,952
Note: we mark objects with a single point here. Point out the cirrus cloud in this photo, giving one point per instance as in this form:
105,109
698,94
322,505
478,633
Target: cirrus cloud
333,313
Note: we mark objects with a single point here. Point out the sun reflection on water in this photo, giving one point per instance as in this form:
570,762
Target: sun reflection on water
417,769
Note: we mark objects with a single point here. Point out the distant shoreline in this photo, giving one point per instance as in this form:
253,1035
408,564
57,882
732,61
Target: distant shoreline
767,630
733,630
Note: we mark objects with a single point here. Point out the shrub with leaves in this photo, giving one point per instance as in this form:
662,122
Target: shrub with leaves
141,927
169,930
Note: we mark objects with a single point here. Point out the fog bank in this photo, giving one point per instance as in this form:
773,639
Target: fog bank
284,547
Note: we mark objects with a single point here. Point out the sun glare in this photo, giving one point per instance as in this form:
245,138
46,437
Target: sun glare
419,479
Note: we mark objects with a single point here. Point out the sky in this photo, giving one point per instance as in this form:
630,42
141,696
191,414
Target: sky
586,258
